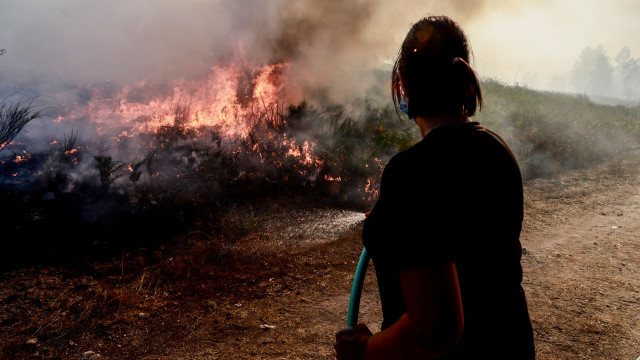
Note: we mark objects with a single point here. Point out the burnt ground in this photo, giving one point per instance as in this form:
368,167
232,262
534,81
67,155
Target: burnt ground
282,291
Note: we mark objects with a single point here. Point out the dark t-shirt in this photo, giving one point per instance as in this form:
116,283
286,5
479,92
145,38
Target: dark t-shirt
456,196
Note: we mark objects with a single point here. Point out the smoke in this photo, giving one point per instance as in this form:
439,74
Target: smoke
330,43
537,43
122,41
336,50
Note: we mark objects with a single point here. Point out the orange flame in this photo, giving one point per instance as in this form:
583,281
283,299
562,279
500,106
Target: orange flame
21,158
330,178
227,99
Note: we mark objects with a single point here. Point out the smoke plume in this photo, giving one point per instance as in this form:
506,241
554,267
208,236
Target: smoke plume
328,42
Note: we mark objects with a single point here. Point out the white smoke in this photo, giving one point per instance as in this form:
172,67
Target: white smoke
332,42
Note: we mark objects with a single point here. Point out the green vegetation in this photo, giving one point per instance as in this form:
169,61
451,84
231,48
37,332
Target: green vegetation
550,133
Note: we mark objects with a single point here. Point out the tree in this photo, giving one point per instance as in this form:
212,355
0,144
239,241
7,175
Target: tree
628,70
631,78
14,116
623,55
593,73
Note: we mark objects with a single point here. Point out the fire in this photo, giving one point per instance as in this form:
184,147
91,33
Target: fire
231,126
229,98
242,104
304,153
371,190
306,150
330,178
372,187
20,158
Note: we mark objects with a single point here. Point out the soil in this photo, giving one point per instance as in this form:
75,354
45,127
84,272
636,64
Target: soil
282,291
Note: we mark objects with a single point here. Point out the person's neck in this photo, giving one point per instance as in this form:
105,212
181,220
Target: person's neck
430,123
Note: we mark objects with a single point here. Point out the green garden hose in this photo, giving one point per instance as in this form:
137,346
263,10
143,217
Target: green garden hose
356,289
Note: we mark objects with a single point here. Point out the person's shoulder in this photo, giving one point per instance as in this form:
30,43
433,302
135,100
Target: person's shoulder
407,158
494,141
396,164
490,134
402,165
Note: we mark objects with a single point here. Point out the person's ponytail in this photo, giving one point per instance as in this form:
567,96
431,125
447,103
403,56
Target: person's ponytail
468,83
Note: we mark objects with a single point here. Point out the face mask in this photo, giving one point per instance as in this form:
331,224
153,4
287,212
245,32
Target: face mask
403,106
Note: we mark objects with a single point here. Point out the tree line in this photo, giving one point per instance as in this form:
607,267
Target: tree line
594,73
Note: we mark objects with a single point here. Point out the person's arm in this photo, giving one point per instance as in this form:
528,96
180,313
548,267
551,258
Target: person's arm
431,326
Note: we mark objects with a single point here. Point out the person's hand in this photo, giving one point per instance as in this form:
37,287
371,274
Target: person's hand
351,342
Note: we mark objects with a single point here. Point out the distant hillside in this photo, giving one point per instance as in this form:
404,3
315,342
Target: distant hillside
550,132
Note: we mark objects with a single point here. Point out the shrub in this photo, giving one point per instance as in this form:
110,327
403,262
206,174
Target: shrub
14,116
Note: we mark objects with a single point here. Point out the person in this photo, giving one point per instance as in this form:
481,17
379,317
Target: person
444,233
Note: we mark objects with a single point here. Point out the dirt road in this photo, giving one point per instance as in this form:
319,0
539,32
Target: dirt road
582,268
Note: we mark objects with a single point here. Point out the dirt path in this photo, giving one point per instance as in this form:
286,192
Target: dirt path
284,299
582,275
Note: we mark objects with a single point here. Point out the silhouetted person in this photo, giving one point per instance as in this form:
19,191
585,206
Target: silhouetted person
444,234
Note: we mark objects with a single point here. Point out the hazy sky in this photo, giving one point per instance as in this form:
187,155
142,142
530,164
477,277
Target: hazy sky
545,38
330,41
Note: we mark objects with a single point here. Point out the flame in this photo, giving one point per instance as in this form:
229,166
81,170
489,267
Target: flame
227,99
242,106
371,190
372,187
307,148
235,100
330,178
20,158
303,153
